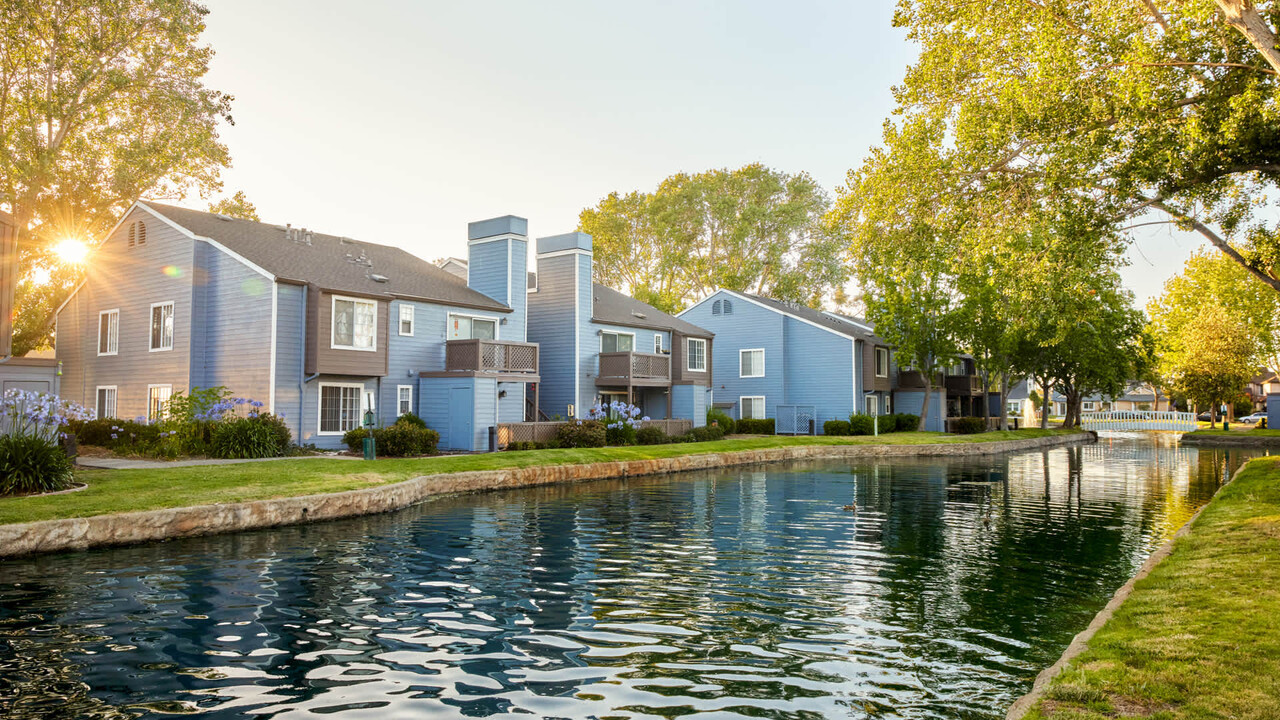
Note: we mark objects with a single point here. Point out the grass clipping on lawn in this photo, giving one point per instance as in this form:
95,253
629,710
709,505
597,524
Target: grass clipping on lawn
1200,636
115,491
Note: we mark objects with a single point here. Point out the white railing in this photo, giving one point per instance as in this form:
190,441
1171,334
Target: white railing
1131,420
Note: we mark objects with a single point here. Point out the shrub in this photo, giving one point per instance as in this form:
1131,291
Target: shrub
283,438
581,434
411,419
888,423
861,425
968,425
835,427
397,440
523,445
651,436
32,464
908,422
721,419
706,433
762,426
244,438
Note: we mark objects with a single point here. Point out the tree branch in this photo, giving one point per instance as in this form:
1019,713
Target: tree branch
1243,15
1216,240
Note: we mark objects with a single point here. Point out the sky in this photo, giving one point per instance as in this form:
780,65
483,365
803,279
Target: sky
400,122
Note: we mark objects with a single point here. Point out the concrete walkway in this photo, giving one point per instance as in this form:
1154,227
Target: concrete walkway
114,463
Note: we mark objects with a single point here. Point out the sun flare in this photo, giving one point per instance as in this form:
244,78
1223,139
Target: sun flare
71,251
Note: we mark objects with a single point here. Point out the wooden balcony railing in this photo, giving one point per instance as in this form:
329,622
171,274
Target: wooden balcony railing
964,384
624,368
496,356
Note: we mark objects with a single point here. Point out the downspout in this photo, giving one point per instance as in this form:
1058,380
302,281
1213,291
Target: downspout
302,368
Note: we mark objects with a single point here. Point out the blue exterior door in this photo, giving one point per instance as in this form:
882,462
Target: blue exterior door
461,410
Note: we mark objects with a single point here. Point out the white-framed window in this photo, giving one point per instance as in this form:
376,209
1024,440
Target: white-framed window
404,399
162,326
882,362
1013,408
751,407
1087,405
871,404
695,354
355,324
611,341
470,327
340,406
158,401
109,332
657,344
105,407
751,363
406,319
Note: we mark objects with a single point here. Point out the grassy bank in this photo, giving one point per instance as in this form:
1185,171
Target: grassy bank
1200,636
1246,431
112,491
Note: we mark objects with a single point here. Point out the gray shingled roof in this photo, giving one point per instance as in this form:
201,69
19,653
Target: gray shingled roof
614,308
843,324
329,261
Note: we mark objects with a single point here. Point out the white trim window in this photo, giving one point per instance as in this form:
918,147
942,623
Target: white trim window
751,407
406,319
695,354
613,341
339,407
1087,405
657,343
871,404
158,402
751,363
109,332
161,326
472,327
404,399
354,324
105,405
882,362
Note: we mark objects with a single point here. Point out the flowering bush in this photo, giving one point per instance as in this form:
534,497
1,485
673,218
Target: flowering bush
31,430
621,420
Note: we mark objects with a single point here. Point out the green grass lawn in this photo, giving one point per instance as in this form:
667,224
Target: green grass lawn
1200,636
112,491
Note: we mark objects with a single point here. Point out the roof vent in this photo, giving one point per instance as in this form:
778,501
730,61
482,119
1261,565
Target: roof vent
378,278
346,241
224,218
639,314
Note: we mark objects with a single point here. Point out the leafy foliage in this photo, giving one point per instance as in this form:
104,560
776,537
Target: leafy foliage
581,434
836,427
244,438
721,418
236,206
753,229
411,419
31,464
861,424
1211,358
401,439
706,433
652,436
969,425
104,102
760,426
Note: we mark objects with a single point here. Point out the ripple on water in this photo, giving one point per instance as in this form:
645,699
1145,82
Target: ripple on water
727,594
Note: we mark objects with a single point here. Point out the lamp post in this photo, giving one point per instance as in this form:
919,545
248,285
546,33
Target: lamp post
370,451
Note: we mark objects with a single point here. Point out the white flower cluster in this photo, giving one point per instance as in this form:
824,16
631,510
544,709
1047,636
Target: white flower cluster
617,414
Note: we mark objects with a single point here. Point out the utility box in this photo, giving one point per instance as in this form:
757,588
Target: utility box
1273,410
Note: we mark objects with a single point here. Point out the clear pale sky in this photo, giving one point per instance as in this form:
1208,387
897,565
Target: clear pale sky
399,122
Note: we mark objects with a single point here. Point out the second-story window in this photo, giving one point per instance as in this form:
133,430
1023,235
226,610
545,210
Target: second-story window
657,344
162,326
751,363
617,342
355,324
882,362
464,327
406,319
695,355
109,332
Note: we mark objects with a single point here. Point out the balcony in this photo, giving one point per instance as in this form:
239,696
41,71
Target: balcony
963,385
491,356
633,368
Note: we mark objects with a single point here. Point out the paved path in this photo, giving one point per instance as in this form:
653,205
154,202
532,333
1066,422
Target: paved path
113,463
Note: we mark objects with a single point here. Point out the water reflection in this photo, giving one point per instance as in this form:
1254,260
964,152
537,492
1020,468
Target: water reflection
740,593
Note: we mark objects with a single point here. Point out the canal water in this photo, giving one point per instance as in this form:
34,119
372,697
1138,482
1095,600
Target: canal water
739,593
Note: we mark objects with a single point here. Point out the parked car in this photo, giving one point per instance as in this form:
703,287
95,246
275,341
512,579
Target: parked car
1254,418
1205,416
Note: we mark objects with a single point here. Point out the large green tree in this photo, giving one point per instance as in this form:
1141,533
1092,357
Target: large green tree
1211,358
101,102
1129,108
753,229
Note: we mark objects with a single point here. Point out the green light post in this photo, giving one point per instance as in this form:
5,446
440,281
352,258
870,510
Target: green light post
370,451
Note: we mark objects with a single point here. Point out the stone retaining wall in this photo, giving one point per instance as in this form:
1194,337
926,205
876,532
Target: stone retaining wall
152,525
1243,440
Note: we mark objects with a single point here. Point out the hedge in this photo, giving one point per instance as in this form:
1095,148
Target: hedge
754,427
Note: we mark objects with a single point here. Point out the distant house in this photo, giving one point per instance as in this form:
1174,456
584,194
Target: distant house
1262,385
319,328
599,345
771,353
1138,395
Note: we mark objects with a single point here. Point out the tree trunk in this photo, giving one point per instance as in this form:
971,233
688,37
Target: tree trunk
1243,15
924,406
1045,402
1004,401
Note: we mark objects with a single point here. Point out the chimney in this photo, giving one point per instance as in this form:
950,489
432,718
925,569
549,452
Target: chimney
497,262
560,312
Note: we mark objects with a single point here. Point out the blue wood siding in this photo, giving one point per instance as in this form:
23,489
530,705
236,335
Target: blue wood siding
434,394
130,279
234,348
819,368
290,324
309,417
691,402
553,324
748,327
911,402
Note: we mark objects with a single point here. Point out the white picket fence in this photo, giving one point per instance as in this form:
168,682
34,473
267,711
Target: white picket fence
1137,420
